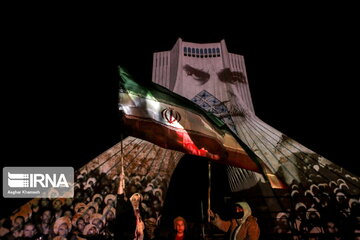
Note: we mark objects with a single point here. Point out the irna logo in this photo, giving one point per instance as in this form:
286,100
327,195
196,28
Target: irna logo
23,180
38,182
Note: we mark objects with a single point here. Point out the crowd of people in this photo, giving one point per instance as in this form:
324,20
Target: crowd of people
91,213
322,209
315,209
321,206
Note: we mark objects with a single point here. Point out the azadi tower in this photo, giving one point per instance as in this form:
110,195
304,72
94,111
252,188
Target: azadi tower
320,199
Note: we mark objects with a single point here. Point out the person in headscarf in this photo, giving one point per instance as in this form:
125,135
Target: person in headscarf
62,227
283,225
241,226
91,232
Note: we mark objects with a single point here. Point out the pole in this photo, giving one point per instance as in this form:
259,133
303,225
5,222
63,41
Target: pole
122,159
202,221
209,189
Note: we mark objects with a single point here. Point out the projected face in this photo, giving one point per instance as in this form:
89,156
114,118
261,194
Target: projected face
213,78
209,73
214,87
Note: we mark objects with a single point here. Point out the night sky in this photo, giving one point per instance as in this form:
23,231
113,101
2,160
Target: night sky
62,106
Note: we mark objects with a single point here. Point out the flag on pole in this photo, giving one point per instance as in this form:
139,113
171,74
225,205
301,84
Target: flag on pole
154,113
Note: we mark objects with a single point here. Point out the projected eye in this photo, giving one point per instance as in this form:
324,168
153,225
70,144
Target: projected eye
228,76
197,74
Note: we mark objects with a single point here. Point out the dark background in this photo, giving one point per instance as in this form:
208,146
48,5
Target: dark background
60,87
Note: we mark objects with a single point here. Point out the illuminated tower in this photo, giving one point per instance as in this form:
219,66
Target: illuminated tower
214,79
217,81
